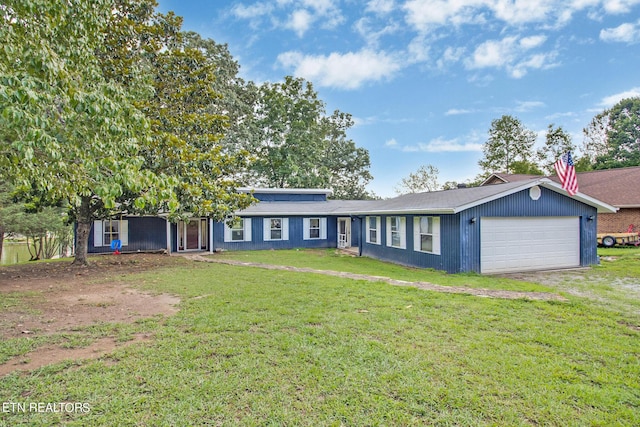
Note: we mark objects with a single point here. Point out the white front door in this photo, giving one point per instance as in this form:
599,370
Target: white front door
344,232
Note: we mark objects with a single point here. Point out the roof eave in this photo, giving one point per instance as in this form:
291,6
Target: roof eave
601,206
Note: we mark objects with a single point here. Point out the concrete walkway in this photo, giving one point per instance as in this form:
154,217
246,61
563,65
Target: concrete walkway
479,292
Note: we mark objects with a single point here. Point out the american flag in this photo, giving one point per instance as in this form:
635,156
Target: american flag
567,173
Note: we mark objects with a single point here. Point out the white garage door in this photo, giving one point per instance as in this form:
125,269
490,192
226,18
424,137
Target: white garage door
520,244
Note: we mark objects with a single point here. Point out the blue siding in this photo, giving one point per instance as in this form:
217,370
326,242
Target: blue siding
296,236
520,204
460,239
145,234
275,197
448,259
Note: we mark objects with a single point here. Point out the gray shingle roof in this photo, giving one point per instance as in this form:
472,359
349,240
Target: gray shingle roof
447,201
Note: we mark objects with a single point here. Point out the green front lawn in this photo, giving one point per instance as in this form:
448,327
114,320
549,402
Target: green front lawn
257,347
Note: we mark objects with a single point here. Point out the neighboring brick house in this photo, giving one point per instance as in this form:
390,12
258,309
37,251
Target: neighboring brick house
617,187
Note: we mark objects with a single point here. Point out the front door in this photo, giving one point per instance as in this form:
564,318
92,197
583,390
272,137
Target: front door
192,235
344,232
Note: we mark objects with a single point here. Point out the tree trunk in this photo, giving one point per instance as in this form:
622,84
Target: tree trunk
83,228
1,239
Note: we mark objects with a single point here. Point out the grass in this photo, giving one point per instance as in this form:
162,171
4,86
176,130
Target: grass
254,347
330,259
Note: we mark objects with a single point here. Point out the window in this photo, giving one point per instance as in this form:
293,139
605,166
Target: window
396,232
426,231
238,231
276,229
111,232
315,228
373,229
106,231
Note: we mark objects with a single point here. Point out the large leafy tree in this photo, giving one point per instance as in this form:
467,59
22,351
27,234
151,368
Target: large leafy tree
298,145
557,142
510,144
65,129
424,179
187,132
612,139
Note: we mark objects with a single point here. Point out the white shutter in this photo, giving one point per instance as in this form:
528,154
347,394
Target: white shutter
266,229
247,229
416,234
403,232
436,235
388,231
285,228
227,232
323,228
124,232
306,224
97,234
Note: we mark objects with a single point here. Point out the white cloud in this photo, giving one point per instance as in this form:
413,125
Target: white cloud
619,6
511,53
391,143
524,106
611,100
457,112
253,11
346,71
305,13
300,21
426,15
441,145
371,36
625,33
380,7
451,55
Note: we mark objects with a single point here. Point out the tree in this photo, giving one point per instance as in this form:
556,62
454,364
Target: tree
612,139
187,132
65,129
8,210
509,141
424,179
348,164
557,142
299,146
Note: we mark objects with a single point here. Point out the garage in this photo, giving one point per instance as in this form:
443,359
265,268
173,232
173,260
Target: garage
510,244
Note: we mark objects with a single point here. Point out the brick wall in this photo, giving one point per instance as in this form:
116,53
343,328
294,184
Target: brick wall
619,222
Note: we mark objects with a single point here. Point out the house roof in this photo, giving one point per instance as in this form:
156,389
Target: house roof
435,202
501,178
617,187
322,191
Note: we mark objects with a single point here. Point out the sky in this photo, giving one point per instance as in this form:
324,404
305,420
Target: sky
424,79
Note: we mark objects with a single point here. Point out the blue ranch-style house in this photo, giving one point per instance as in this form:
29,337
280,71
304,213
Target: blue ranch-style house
518,226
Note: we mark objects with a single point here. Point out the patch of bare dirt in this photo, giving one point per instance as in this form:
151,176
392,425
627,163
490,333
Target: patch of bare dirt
47,298
53,354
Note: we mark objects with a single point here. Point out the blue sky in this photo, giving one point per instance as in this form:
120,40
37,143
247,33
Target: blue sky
423,79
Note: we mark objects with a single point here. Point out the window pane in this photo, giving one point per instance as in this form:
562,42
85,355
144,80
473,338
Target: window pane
395,239
426,243
276,223
276,234
373,236
426,225
238,224
237,235
314,223
314,233
395,223
373,223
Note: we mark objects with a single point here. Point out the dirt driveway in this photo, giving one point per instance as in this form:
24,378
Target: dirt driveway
52,298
